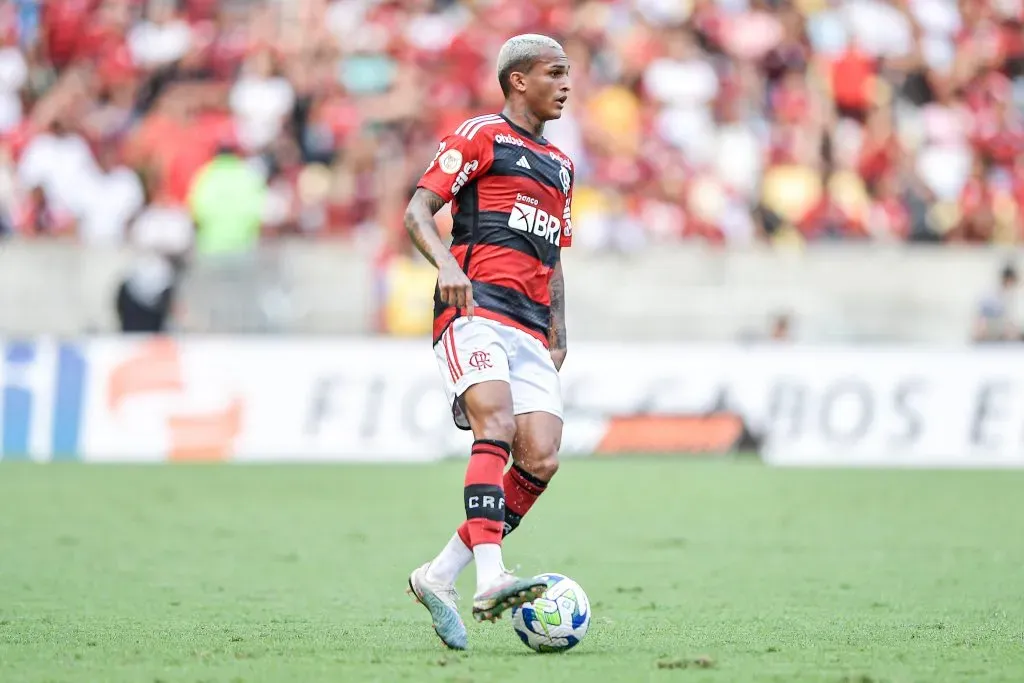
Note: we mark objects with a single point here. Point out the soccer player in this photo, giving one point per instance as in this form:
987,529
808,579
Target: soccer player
499,319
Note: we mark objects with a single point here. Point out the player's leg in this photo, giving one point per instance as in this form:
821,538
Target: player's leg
535,462
489,408
537,394
474,362
433,584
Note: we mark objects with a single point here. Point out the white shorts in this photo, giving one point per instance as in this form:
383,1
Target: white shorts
481,350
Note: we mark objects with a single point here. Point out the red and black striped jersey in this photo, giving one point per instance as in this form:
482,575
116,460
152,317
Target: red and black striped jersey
512,196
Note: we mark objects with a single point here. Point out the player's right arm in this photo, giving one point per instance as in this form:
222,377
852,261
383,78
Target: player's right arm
460,159
455,287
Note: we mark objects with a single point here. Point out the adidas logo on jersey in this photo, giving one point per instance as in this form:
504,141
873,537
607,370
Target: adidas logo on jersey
535,221
523,163
509,140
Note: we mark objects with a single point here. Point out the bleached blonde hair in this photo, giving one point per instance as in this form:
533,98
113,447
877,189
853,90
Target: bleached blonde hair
519,53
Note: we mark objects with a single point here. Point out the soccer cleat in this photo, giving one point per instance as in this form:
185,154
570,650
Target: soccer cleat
440,601
506,592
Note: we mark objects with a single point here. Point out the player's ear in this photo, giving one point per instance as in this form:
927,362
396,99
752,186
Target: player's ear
517,79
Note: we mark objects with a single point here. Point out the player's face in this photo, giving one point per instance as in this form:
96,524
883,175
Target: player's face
547,85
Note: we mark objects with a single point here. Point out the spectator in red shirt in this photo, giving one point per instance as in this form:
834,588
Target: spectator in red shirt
977,218
853,82
888,216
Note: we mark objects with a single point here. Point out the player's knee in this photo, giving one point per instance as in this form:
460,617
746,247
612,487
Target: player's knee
546,468
498,425
542,456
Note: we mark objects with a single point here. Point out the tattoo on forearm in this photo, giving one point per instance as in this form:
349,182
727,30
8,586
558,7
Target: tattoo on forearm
556,288
419,222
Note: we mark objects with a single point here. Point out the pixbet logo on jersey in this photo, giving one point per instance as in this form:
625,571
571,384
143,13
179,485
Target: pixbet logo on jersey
509,140
528,217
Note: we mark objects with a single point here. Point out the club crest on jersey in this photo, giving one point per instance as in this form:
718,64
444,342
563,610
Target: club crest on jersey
565,178
509,140
534,220
451,161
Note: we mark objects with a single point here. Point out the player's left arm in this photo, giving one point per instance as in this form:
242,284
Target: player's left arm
557,342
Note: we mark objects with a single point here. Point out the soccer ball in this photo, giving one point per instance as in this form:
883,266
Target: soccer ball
557,620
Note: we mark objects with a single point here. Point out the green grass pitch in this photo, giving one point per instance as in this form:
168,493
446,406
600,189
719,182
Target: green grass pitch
697,571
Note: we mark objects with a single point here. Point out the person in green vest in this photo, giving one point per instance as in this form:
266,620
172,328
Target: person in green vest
226,200
227,282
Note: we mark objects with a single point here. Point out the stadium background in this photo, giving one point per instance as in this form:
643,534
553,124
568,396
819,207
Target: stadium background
796,229
828,195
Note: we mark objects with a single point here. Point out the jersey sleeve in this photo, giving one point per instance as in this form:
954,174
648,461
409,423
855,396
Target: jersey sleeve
459,161
566,238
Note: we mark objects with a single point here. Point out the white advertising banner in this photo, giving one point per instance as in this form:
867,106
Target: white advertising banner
825,406
381,400
267,401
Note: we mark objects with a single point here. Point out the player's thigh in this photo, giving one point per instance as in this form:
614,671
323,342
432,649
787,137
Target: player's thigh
537,441
488,406
473,359
537,399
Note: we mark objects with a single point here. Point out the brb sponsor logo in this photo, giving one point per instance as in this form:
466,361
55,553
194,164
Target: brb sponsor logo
528,217
463,176
509,140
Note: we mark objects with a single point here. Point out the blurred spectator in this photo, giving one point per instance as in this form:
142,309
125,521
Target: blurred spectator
161,237
999,315
145,298
781,328
115,198
261,100
13,76
227,201
724,121
162,37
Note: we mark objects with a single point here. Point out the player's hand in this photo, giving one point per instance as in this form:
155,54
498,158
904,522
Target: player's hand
456,289
558,357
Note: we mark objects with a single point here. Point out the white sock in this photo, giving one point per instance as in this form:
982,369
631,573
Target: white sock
488,564
450,562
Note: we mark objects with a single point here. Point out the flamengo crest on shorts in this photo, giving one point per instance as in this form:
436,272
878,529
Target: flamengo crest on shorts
512,197
482,350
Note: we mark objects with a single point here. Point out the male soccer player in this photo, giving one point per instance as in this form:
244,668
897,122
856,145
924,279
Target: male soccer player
499,319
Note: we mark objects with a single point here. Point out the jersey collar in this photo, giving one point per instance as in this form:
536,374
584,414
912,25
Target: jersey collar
522,131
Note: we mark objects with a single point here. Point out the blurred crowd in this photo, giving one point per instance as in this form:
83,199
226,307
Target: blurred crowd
727,121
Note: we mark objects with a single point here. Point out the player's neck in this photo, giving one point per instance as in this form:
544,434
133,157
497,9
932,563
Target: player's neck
524,118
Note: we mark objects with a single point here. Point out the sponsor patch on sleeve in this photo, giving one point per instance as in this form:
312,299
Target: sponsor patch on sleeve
451,161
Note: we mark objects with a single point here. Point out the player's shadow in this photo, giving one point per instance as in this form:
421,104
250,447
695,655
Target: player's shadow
555,655
526,652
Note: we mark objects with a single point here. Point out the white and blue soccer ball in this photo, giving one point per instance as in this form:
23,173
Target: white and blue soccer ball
556,621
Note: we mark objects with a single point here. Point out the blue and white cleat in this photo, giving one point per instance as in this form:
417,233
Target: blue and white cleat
441,602
506,592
